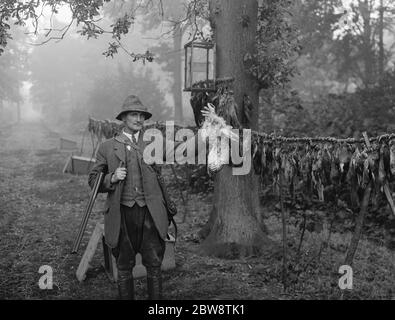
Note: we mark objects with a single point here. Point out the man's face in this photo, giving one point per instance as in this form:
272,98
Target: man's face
134,120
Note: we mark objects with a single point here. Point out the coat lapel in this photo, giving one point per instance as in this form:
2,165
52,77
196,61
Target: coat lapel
119,147
121,140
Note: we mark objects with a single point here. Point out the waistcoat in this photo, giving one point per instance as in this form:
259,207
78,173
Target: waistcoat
133,191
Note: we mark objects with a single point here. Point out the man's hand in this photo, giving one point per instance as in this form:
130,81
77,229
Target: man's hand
119,175
208,111
210,116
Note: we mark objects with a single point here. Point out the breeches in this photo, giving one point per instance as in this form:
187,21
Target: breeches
138,235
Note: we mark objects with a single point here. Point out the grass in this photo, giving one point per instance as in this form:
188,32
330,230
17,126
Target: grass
41,210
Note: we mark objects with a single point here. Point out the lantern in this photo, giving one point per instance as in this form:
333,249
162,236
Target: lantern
199,64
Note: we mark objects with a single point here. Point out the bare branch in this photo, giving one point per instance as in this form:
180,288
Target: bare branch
65,30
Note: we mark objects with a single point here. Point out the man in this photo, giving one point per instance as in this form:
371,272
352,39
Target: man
135,219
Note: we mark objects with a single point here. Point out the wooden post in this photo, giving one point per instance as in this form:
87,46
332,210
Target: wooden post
361,218
387,193
359,226
89,252
284,229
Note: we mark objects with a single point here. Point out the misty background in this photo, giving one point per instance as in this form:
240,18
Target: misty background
63,82
337,89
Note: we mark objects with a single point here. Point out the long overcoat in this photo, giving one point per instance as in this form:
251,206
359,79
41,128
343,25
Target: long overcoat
110,155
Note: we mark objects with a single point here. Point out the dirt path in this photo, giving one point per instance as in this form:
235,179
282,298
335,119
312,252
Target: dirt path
40,212
41,208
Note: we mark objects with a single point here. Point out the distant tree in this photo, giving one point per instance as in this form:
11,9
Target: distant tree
11,75
372,19
122,14
342,47
173,12
60,76
174,18
315,20
110,90
13,71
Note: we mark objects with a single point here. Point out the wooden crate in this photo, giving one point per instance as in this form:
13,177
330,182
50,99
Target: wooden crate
78,165
68,145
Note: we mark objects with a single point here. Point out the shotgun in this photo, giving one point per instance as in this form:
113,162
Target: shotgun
87,213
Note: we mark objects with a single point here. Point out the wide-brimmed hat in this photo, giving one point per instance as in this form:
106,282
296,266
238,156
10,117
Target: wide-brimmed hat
133,103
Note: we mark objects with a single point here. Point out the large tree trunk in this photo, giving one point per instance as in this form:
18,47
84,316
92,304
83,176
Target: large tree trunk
177,83
238,229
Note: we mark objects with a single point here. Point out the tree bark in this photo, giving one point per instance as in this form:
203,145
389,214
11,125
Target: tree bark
238,229
177,83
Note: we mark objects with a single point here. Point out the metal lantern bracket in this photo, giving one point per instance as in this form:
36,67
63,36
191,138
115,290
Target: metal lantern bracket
205,67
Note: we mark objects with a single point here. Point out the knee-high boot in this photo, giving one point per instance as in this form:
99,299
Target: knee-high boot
154,283
125,284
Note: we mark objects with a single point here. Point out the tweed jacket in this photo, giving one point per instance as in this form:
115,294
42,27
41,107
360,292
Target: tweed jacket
111,153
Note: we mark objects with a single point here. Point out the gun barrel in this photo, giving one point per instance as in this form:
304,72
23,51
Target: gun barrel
87,212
